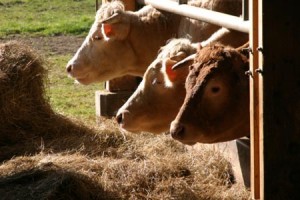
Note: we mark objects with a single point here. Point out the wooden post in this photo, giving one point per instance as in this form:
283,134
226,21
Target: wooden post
255,101
117,90
280,75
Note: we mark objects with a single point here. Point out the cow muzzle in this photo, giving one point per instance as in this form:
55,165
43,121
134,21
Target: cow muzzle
178,132
122,119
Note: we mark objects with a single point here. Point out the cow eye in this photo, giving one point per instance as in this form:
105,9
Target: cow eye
96,37
156,82
215,89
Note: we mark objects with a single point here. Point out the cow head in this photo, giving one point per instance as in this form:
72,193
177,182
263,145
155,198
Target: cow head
159,96
216,106
105,50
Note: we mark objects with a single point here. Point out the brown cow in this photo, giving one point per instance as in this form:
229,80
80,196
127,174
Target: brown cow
157,100
216,106
125,43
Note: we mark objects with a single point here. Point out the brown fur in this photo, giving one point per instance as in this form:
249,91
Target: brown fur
216,106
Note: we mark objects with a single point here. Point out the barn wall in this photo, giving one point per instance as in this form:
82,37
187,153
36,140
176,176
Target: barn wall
281,106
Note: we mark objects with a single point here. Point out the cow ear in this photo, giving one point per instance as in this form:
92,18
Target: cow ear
106,30
115,18
172,75
115,27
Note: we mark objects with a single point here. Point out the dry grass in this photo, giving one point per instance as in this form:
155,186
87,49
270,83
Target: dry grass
48,156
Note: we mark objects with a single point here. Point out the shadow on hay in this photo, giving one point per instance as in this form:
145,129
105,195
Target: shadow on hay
52,182
48,156
28,123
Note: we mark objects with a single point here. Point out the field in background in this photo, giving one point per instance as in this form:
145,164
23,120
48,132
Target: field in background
56,29
45,17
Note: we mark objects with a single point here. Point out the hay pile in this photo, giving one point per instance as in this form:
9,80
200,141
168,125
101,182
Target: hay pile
48,156
28,123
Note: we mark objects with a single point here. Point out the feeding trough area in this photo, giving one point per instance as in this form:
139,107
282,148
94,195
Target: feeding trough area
191,151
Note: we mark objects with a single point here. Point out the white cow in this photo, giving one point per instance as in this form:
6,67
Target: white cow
125,43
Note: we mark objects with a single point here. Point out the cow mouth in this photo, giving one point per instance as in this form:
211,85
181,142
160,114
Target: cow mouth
122,119
84,80
187,142
127,129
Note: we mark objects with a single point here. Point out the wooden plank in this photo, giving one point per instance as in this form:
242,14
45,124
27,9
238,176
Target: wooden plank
254,101
107,103
281,100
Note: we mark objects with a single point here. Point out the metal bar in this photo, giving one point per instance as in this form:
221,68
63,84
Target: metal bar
213,17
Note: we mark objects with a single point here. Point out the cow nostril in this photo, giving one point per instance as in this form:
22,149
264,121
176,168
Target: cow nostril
69,68
178,131
119,118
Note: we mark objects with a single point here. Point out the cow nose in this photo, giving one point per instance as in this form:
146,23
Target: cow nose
69,68
177,131
120,118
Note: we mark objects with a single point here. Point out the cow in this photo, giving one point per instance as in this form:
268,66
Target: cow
156,101
125,43
216,105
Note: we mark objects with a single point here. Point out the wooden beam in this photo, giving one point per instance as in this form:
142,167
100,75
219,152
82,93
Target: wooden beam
280,39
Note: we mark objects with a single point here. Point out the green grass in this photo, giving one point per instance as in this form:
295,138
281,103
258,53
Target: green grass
67,97
46,17
31,18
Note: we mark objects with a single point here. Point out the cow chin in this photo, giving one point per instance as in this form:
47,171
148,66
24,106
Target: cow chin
150,129
184,134
83,81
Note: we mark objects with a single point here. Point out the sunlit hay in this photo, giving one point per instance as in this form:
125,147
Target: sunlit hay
159,167
52,177
22,102
28,123
171,174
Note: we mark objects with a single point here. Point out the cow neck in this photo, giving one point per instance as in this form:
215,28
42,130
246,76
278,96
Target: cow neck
146,38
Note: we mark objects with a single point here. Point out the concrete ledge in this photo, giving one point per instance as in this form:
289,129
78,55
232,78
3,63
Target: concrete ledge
237,152
108,103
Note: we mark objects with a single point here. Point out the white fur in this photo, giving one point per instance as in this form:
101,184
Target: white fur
168,83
